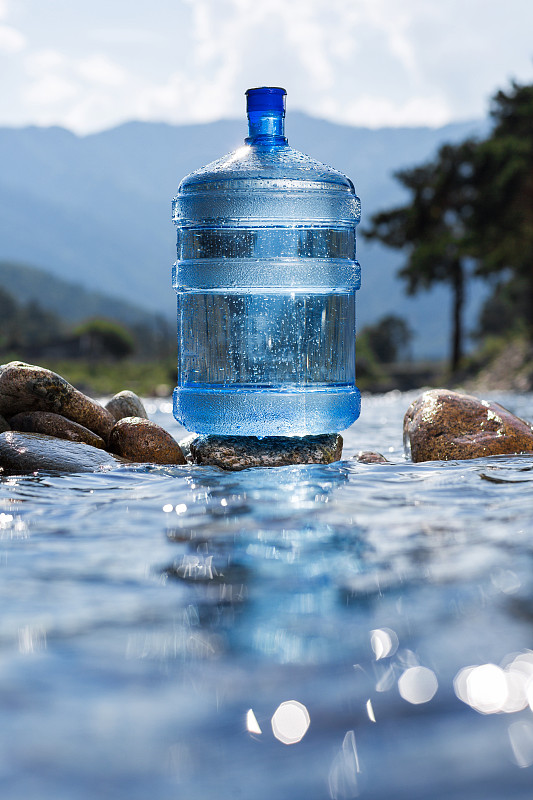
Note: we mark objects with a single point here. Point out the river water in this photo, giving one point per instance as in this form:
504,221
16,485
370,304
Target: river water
310,632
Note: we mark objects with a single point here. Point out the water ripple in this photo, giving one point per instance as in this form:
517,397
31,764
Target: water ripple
146,610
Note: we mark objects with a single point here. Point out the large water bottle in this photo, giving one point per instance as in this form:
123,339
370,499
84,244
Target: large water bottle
266,278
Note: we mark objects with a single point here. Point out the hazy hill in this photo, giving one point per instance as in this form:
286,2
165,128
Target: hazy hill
95,210
70,300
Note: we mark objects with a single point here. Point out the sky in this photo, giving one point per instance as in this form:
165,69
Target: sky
91,65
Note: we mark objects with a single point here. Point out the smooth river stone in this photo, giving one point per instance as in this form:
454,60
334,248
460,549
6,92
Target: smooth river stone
369,457
24,387
126,404
4,425
55,425
442,425
24,453
144,441
243,452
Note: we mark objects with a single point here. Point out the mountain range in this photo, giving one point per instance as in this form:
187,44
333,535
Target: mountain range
69,300
96,210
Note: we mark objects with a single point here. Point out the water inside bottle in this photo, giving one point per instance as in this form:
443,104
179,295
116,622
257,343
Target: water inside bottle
266,278
278,242
263,339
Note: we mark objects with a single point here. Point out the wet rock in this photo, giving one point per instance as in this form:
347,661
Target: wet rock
55,425
442,425
24,453
4,425
126,404
139,439
369,457
242,452
24,387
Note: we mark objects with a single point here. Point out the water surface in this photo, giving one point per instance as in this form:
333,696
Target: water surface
154,619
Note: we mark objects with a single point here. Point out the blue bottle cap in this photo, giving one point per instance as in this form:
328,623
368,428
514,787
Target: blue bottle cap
265,99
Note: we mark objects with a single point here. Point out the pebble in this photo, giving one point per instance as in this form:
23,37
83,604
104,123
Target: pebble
24,387
25,453
126,404
141,440
369,457
242,452
55,425
442,425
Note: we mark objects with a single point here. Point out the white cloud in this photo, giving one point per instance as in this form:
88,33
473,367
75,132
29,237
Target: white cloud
42,61
366,62
90,106
100,69
51,90
11,40
76,92
238,43
375,112
50,86
126,36
315,48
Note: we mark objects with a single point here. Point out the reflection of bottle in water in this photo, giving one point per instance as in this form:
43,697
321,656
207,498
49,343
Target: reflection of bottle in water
266,278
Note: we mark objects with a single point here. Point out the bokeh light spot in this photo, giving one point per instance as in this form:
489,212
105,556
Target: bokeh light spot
418,685
290,722
488,689
384,642
252,724
521,739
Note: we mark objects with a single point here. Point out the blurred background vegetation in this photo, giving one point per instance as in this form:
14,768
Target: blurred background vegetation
470,215
100,355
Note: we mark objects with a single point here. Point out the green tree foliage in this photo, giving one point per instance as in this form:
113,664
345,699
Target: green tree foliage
9,310
29,331
156,340
23,324
471,211
388,339
103,338
505,311
433,228
502,225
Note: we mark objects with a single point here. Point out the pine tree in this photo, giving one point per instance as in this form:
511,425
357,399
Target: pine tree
502,225
433,229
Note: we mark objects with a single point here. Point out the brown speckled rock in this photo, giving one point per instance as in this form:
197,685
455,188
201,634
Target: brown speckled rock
24,387
126,404
55,425
4,425
442,425
141,440
243,452
369,457
24,453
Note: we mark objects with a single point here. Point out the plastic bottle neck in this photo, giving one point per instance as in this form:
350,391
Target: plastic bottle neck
266,128
266,117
